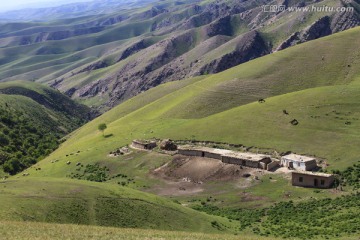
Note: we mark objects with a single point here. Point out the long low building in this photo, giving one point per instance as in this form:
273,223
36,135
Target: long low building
247,159
231,157
215,153
312,179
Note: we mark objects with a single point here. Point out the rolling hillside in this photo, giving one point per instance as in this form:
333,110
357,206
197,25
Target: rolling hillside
86,203
33,120
104,59
21,230
224,107
321,94
223,72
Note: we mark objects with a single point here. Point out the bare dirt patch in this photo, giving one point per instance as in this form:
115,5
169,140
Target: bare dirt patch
200,170
186,175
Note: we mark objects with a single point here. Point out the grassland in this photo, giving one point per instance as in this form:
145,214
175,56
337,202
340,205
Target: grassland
224,107
88,203
23,55
316,86
31,230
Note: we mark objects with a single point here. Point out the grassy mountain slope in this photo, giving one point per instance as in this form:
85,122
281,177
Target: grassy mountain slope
86,203
21,230
107,58
317,84
321,95
33,120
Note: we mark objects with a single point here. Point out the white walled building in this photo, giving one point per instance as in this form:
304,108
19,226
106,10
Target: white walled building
298,162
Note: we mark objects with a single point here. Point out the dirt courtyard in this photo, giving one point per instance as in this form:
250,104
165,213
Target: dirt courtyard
186,175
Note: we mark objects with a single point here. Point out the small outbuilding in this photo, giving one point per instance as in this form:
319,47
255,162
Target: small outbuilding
298,162
312,179
144,144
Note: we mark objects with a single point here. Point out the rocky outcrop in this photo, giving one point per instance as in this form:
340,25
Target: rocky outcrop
212,12
325,26
90,90
154,11
250,47
345,20
93,66
175,19
133,49
220,27
318,29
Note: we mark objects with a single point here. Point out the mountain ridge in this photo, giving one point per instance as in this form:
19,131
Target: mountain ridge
119,55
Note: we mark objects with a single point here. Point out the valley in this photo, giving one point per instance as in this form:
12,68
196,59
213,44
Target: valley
105,59
87,89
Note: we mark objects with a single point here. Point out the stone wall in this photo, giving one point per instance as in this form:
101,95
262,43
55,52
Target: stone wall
233,160
252,164
190,152
213,155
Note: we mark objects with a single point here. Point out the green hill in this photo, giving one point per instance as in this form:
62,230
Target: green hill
30,230
321,95
315,83
87,203
104,59
33,120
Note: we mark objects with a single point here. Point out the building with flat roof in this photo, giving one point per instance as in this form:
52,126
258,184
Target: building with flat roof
231,157
312,179
298,162
247,159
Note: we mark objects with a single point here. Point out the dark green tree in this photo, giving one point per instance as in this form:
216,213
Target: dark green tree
102,128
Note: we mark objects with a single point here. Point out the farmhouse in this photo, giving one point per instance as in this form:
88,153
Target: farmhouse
231,157
312,179
298,162
143,144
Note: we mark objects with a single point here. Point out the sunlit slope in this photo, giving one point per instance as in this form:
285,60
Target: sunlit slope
43,105
21,230
219,108
88,203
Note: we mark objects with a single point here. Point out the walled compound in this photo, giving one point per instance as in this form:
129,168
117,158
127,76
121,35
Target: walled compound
252,160
302,177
